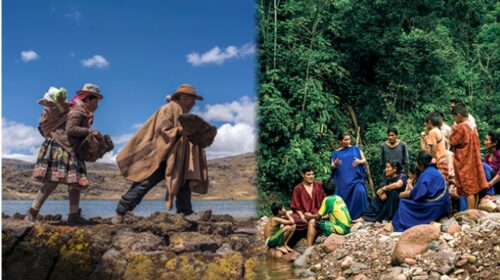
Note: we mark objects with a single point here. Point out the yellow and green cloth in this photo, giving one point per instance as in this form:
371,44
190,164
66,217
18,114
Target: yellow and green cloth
339,219
276,239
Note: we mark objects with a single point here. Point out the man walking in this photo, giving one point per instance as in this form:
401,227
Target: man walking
159,150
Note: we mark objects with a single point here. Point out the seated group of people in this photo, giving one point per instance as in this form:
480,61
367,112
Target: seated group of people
419,197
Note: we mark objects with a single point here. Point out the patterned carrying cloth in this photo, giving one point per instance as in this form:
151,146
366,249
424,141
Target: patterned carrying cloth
54,164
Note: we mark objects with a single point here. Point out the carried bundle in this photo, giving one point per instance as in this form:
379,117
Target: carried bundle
94,146
202,133
55,110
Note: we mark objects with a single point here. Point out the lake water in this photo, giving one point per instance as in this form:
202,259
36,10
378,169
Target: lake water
106,208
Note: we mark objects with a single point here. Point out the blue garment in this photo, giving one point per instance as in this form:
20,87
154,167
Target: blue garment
350,181
379,210
429,201
491,191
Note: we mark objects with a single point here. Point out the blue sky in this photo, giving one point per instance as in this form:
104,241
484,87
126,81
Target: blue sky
137,52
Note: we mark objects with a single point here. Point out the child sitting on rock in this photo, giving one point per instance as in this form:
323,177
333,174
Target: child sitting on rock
334,206
279,229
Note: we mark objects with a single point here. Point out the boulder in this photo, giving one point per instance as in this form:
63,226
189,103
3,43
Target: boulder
414,241
333,242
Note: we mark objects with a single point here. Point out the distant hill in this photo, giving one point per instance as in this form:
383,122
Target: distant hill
230,178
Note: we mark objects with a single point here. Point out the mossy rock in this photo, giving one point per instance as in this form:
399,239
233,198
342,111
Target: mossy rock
80,255
36,255
194,241
162,224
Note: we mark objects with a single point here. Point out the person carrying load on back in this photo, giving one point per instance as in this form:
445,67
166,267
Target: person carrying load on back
169,146
58,160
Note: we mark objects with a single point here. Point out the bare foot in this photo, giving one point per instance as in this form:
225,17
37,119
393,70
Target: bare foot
289,249
358,220
282,249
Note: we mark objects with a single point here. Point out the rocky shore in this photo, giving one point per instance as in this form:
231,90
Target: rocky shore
465,246
162,246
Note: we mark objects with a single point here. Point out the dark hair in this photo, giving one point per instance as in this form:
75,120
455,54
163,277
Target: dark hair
397,165
342,134
392,129
457,101
424,159
460,109
306,169
275,208
439,113
412,168
495,138
434,119
329,187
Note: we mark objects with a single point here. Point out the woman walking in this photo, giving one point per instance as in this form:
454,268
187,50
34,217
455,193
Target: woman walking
58,162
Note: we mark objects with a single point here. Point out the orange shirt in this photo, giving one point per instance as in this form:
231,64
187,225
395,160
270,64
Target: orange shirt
437,140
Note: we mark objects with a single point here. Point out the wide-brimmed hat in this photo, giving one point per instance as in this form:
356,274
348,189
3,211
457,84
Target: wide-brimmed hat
90,89
186,90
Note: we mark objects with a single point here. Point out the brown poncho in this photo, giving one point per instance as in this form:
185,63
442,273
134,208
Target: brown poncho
159,140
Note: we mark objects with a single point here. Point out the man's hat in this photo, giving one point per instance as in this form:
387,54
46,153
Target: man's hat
186,90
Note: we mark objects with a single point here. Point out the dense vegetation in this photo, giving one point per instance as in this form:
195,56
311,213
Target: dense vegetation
332,65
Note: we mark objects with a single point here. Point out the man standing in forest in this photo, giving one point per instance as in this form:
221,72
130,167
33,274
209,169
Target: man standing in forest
159,150
469,173
394,149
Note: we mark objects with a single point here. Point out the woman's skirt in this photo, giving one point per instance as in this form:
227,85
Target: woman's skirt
54,164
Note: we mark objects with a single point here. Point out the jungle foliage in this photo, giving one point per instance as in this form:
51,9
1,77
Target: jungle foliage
331,65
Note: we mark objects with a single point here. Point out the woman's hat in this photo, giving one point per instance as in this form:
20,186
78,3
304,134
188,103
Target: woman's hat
186,90
90,89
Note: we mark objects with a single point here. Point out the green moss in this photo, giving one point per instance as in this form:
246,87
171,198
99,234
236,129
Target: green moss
228,267
139,267
251,266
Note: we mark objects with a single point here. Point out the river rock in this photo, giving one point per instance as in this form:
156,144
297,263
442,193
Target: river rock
347,262
410,261
454,228
414,241
301,261
357,267
333,242
445,261
470,216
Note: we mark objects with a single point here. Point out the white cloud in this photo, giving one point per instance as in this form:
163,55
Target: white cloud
240,111
121,139
30,55
137,125
109,157
218,56
74,15
19,139
233,140
97,61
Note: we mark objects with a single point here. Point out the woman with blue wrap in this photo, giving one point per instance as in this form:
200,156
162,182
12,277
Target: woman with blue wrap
348,172
428,201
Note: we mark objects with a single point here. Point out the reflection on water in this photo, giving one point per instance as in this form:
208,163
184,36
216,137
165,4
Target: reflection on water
275,270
